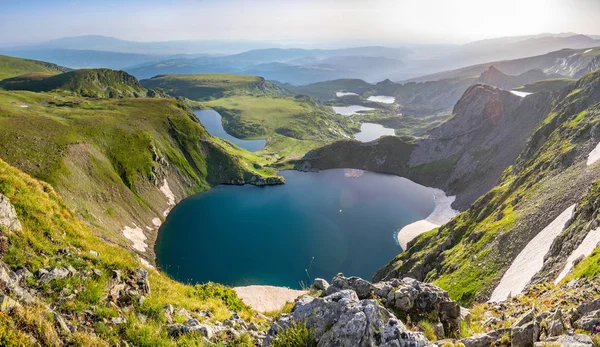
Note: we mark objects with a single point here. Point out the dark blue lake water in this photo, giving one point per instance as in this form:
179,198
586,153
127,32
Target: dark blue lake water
213,123
242,235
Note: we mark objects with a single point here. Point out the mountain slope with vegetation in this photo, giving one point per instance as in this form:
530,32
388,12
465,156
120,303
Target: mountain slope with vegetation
92,83
469,255
253,108
119,162
11,67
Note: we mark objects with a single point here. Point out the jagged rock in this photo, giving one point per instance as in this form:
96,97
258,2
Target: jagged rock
588,321
8,215
94,253
525,335
191,326
253,327
7,303
142,281
61,324
22,273
484,340
341,319
525,318
320,284
576,340
10,281
438,329
55,273
362,287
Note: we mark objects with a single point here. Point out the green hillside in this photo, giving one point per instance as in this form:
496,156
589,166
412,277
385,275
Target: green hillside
213,86
93,83
108,158
53,237
11,67
548,85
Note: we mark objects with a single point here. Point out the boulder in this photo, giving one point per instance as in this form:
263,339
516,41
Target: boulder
8,215
575,340
485,340
342,319
525,335
55,273
6,303
362,287
589,321
320,284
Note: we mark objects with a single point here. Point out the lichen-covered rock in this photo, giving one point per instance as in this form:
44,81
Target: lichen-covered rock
525,335
54,274
575,340
341,319
362,287
589,321
8,215
320,284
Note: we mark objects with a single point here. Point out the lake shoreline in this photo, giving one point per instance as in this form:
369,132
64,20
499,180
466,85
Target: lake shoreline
441,214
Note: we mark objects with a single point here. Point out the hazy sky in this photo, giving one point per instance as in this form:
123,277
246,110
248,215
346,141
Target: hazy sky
285,21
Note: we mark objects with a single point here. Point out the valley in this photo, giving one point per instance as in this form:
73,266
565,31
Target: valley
205,205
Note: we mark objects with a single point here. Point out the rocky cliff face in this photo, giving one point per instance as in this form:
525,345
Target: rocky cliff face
553,172
464,156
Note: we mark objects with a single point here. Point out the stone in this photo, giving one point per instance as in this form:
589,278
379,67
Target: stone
575,340
320,284
342,319
22,273
525,318
589,321
118,320
485,340
556,328
61,324
55,273
8,215
6,303
94,253
525,335
438,328
362,287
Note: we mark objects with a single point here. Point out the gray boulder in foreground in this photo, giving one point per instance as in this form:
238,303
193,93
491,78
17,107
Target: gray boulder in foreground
8,215
341,319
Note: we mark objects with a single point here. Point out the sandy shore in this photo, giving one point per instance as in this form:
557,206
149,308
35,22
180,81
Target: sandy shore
442,214
267,298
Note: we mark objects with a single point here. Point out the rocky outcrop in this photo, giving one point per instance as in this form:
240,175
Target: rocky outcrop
8,215
354,312
341,319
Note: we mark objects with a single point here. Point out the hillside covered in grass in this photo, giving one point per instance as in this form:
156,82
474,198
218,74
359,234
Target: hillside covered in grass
73,288
11,67
253,108
91,83
114,159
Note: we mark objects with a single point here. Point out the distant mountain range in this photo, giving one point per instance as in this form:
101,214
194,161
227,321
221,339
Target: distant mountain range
290,65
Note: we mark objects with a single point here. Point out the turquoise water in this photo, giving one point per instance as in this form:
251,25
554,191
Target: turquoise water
242,235
213,123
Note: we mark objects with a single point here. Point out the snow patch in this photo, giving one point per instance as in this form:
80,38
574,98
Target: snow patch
384,99
340,94
594,155
146,263
156,222
166,190
521,94
136,235
24,106
586,248
442,214
531,259
588,51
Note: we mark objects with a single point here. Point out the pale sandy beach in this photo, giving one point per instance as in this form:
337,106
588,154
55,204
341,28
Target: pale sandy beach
267,298
442,214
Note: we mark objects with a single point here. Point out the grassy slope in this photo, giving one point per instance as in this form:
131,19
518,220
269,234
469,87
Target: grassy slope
49,226
468,256
94,83
108,157
550,85
254,108
11,67
212,86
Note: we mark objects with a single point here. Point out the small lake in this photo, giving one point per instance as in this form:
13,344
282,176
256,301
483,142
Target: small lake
382,99
350,110
242,235
341,94
212,121
371,131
